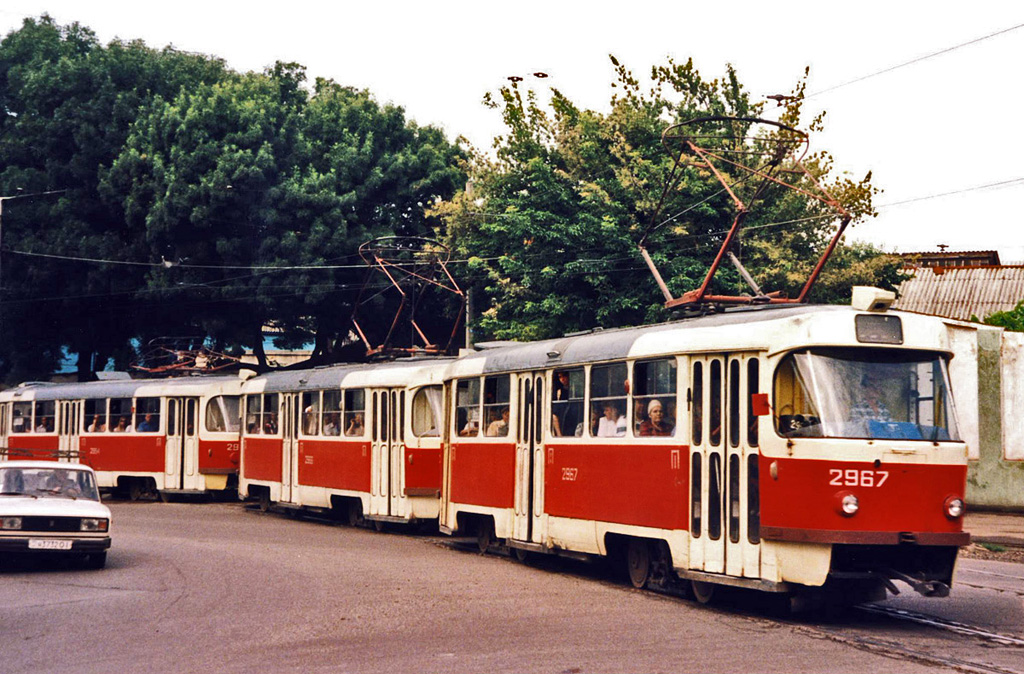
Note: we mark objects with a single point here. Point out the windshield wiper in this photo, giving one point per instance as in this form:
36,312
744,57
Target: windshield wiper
16,493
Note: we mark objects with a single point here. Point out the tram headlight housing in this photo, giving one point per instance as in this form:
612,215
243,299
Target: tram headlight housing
847,504
954,507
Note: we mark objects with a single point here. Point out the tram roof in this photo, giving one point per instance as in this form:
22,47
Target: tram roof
356,375
796,325
121,388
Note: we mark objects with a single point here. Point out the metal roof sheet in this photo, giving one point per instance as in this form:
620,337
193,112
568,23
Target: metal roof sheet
962,292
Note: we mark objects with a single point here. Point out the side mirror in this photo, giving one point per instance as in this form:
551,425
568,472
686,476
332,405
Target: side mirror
759,404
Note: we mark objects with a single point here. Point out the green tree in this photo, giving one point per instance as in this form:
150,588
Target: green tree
67,104
264,191
1011,320
551,221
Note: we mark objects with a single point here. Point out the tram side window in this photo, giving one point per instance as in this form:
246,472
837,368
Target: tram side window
120,415
567,403
331,423
45,416
427,411
311,413
355,412
697,404
271,401
608,402
654,398
467,407
147,415
22,422
95,416
715,403
497,396
222,414
253,414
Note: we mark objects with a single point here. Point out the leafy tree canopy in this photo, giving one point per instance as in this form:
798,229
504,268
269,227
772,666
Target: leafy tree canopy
1011,320
550,222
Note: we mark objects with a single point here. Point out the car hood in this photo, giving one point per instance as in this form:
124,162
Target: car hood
22,506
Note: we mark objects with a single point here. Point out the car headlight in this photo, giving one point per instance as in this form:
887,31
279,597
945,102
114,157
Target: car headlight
94,524
954,507
11,523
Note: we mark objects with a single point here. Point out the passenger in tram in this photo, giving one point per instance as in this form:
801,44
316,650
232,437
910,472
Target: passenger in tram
656,424
639,414
148,425
97,425
499,427
356,426
612,424
595,416
332,423
122,426
871,404
270,424
41,426
310,423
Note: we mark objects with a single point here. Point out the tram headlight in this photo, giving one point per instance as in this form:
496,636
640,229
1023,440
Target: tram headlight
847,504
954,507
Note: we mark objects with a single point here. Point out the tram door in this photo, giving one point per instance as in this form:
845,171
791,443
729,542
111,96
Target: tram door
707,461
182,448
529,492
741,502
289,416
70,412
386,461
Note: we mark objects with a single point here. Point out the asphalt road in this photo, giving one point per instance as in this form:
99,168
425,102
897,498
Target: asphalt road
218,587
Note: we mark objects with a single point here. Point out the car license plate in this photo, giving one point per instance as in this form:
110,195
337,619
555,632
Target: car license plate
48,544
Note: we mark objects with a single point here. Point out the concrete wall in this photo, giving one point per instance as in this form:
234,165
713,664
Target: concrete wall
992,402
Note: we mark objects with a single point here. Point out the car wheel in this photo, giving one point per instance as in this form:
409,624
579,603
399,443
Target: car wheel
96,560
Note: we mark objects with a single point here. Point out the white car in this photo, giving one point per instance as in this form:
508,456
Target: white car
51,507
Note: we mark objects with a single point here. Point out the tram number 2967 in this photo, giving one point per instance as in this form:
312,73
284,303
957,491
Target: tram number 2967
857,478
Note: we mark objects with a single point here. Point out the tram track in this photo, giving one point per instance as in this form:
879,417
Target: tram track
944,624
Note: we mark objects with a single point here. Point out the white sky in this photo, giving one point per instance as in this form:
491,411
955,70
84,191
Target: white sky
942,125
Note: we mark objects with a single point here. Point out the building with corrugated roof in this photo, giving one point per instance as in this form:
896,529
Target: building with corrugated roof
962,292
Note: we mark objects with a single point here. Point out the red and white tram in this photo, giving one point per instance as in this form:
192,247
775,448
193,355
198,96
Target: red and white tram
777,448
362,440
169,435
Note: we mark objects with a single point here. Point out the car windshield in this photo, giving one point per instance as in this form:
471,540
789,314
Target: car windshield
864,393
48,483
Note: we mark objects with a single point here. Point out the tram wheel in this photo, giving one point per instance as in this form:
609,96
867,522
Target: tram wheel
522,556
355,514
638,562
702,592
264,500
484,535
135,490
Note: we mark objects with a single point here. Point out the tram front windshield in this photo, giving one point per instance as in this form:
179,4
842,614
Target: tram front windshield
864,393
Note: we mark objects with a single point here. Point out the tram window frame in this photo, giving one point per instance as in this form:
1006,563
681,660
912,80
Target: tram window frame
45,414
309,419
604,379
538,410
715,403
424,410
696,494
568,408
143,406
467,407
656,379
734,407
715,489
229,408
753,500
753,388
332,413
385,419
497,399
733,481
122,408
22,410
271,421
697,404
95,409
253,414
353,408
401,415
